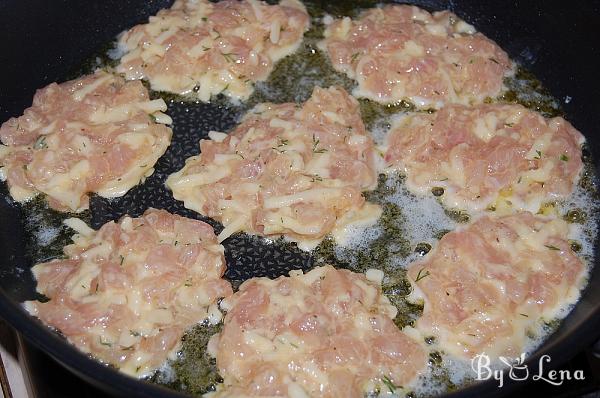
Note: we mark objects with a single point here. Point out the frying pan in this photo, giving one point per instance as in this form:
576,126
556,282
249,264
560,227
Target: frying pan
44,41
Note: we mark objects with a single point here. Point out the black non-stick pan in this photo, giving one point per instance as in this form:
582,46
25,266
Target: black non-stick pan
43,41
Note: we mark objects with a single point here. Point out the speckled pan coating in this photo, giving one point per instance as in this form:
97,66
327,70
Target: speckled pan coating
247,256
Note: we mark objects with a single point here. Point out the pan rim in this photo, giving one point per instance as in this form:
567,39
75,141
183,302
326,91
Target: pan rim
91,370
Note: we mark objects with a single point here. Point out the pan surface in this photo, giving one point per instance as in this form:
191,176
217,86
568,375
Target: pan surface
48,41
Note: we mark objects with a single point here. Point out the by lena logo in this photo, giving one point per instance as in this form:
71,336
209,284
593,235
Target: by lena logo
517,370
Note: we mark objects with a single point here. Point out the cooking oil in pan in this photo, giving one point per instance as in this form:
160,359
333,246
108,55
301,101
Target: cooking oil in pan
409,227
